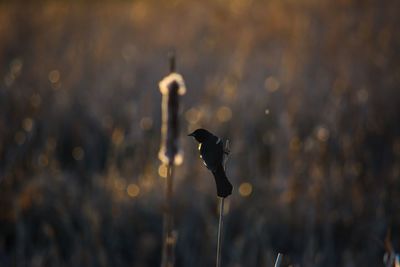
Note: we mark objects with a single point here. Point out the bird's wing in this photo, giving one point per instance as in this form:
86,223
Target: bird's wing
212,154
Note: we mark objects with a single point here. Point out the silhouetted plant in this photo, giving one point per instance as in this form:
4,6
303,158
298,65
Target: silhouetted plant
171,87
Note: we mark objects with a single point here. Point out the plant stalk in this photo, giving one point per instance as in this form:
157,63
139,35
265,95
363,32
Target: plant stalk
168,235
221,211
278,260
220,228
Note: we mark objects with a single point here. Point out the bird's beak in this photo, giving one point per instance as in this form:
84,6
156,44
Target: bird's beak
190,134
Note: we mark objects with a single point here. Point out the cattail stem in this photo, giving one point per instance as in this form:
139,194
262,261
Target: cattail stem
168,235
220,227
171,88
172,61
278,260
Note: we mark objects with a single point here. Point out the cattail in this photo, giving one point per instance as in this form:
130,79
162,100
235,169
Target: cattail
171,87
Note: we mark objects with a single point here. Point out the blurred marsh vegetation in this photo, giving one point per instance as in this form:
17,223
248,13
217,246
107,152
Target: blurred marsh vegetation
307,92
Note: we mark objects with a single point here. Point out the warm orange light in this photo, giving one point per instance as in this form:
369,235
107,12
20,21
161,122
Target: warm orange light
322,134
245,189
27,124
133,190
272,84
117,136
224,114
54,76
162,171
193,115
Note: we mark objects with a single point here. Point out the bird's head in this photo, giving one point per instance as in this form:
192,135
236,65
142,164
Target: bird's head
201,135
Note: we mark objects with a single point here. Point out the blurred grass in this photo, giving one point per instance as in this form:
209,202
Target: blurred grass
307,92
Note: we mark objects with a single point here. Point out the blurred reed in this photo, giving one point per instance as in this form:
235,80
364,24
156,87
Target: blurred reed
171,87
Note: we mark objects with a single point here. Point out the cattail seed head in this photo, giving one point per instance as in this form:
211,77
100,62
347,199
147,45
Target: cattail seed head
171,87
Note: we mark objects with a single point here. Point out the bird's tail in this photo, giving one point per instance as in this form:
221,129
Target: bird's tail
224,187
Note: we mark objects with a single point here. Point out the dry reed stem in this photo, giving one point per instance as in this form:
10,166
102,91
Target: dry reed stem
171,87
168,235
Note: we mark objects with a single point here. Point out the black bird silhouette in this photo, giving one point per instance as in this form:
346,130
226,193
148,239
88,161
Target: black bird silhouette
212,153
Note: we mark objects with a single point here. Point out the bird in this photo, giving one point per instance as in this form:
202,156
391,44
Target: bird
212,153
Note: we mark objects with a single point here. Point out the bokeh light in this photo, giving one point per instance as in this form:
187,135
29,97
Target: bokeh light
245,189
133,190
306,91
